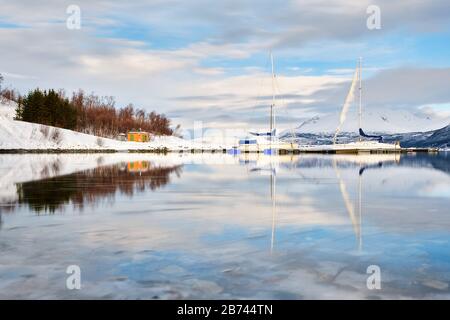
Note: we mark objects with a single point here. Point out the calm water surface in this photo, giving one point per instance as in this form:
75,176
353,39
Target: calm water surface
222,226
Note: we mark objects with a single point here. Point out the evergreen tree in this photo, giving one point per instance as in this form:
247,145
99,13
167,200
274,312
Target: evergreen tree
47,108
33,105
19,109
52,112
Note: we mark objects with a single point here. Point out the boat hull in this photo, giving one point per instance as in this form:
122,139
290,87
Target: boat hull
273,147
354,147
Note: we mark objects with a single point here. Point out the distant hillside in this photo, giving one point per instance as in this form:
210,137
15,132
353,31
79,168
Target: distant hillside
438,139
435,138
21,135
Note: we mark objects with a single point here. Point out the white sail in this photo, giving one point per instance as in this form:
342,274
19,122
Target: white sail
347,103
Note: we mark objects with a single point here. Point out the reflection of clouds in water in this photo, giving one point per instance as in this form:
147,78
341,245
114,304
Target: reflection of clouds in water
132,260
437,189
314,175
208,235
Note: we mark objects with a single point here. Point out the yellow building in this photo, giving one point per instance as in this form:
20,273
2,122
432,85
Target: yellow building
138,136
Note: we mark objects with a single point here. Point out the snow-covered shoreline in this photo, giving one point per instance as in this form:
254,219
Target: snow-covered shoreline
20,136
24,137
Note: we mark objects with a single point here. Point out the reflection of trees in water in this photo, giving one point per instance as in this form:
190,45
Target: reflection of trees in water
91,186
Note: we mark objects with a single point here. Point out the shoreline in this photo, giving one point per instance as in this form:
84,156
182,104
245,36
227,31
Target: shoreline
223,151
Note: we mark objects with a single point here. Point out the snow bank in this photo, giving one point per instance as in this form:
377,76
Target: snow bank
24,135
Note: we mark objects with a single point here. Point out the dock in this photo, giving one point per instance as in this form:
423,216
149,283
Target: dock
320,149
351,151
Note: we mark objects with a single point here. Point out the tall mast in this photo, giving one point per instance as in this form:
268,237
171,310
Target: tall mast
272,113
360,96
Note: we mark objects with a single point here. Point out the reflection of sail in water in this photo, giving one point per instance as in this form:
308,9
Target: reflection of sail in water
360,210
355,219
365,163
267,164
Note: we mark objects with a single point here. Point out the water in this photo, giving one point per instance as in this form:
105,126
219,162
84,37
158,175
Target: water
221,226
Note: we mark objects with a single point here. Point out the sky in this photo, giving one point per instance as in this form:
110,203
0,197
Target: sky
209,61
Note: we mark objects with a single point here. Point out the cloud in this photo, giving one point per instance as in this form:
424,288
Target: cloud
407,87
17,76
197,61
399,89
130,63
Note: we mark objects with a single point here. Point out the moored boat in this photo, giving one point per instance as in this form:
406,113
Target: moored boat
366,142
266,142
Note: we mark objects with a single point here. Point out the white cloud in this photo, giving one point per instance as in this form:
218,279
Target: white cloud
130,64
42,52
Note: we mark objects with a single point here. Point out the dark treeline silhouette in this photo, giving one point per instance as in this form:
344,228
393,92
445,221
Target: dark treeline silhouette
91,186
85,113
47,107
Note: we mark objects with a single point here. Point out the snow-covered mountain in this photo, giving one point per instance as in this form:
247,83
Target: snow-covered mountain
377,120
440,137
433,139
437,138
412,129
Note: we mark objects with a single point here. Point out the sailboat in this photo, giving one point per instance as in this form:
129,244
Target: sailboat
266,142
365,143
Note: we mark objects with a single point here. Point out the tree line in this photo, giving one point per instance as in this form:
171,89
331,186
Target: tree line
87,113
98,116
47,107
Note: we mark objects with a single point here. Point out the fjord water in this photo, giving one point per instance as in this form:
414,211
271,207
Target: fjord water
219,226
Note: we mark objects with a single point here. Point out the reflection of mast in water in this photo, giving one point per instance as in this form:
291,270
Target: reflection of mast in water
265,165
273,194
365,163
360,209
